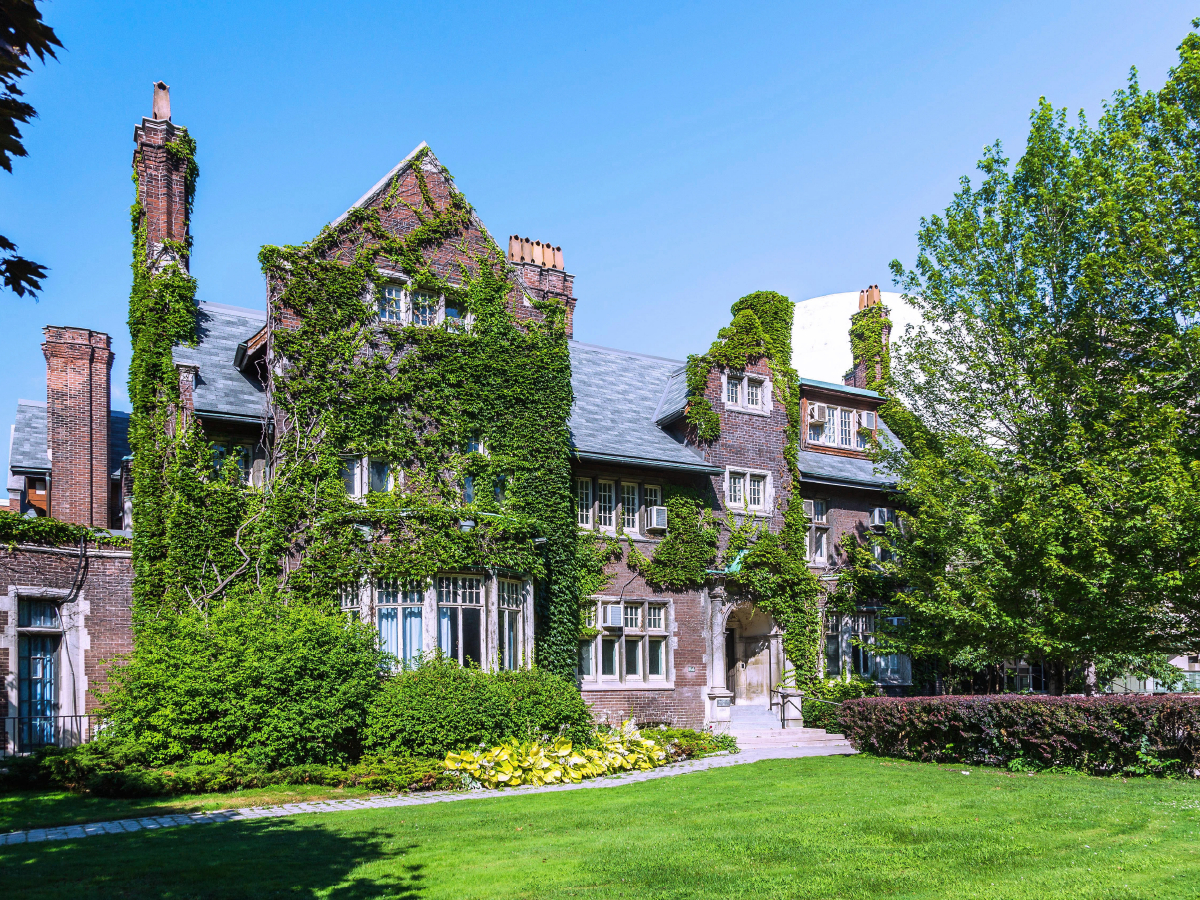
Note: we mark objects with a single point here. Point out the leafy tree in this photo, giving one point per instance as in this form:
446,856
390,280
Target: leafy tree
23,35
1054,513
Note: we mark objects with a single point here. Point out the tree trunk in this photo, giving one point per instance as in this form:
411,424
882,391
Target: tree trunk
1089,679
1054,677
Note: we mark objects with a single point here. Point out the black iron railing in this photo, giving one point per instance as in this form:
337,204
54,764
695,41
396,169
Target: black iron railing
24,734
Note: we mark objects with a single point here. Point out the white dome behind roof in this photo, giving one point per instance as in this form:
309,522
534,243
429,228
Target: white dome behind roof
821,332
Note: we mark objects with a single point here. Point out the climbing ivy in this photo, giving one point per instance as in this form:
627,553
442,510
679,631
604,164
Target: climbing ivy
766,568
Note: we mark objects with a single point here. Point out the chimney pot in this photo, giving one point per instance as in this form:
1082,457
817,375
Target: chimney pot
162,101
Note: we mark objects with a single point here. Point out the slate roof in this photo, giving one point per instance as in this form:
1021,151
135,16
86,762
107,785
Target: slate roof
617,399
827,468
27,452
28,448
221,387
674,398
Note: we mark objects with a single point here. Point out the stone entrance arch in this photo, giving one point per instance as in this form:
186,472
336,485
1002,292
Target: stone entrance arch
753,655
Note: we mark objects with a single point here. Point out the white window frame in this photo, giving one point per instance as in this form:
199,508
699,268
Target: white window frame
585,515
630,519
742,504
450,590
403,598
510,625
640,621
657,495
355,485
741,381
611,525
395,307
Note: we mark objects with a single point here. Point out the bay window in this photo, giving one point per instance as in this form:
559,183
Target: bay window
460,618
398,610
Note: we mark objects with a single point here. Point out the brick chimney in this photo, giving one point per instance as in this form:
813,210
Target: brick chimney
540,267
162,182
868,371
78,368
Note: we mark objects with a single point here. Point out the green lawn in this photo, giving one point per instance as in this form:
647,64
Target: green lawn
820,828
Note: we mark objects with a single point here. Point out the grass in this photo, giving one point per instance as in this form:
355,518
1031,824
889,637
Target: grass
807,828
43,809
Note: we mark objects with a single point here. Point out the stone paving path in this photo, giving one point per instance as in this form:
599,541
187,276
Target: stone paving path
150,823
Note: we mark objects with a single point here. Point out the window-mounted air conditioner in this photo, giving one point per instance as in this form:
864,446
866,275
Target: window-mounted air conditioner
808,510
818,413
612,617
880,517
656,518
867,420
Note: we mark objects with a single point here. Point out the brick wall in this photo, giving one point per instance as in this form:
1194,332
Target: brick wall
106,587
162,189
78,370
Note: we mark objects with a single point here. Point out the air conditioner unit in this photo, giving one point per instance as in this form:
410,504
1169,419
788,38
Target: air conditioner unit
612,617
867,420
656,518
880,517
808,510
818,412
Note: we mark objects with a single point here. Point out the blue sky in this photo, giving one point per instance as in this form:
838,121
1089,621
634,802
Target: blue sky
681,154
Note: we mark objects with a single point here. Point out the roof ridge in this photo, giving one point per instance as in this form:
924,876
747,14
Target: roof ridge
679,362
381,183
245,311
41,403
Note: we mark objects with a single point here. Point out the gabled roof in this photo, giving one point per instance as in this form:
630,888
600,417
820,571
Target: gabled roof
381,185
222,389
673,401
617,397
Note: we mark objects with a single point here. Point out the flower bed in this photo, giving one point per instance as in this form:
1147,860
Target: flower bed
516,763
1145,735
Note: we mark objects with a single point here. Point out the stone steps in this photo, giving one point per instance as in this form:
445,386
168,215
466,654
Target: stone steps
757,738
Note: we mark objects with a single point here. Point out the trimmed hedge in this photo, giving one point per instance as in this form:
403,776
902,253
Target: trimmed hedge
1148,735
440,707
97,771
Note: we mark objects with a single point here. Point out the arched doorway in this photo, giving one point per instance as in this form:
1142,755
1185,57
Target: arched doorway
753,655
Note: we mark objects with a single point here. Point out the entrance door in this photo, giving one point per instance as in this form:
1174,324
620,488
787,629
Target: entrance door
37,690
748,659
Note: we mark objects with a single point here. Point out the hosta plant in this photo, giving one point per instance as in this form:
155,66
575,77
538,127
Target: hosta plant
516,763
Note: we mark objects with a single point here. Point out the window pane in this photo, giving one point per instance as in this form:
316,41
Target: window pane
629,507
847,420
815,433
411,617
389,630
608,657
391,304
833,655
654,617
735,488
606,501
633,657
657,665
633,615
472,636
758,484
585,658
424,309
468,489
653,495
448,631
37,614
379,471
732,390
583,501
752,391
350,476
818,510
510,594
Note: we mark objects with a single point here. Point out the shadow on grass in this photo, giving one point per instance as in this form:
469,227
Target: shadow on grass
279,857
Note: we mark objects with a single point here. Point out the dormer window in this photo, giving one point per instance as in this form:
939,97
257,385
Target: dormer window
400,306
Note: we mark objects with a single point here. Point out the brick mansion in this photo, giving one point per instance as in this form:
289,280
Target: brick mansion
687,657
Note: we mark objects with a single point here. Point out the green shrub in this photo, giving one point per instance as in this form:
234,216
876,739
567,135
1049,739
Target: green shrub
685,743
834,691
440,707
104,770
285,685
1107,735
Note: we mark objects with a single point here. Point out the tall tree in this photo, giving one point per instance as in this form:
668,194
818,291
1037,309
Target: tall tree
1054,513
23,35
